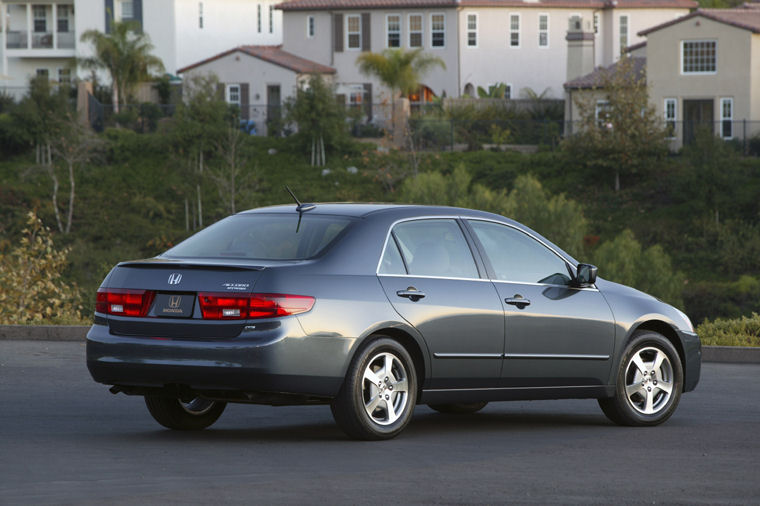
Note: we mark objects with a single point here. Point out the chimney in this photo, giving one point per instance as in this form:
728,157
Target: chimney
580,48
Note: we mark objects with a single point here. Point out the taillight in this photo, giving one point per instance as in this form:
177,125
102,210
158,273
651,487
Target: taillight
228,306
124,302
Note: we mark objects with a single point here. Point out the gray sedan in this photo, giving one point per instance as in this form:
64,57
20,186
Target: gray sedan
373,309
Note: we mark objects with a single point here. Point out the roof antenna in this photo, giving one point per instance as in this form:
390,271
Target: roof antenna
301,208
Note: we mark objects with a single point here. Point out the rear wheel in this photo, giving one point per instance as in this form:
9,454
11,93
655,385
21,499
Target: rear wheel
175,414
649,382
461,408
378,396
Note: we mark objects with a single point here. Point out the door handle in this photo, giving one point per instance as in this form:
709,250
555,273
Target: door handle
411,293
518,300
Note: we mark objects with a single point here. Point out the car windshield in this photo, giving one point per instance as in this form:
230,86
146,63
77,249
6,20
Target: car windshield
263,237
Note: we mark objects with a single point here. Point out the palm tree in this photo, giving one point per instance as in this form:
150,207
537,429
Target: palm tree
399,70
125,53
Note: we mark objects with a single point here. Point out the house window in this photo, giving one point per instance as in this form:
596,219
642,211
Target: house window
415,30
233,94
127,9
63,12
42,73
727,118
271,19
393,26
64,76
698,57
671,117
40,19
354,31
200,14
258,18
543,30
596,22
472,30
437,30
514,30
355,99
623,33
508,91
310,27
602,114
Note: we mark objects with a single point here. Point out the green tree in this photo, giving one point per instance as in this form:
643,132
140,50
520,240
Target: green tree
398,69
554,216
38,116
197,129
626,135
650,270
320,118
125,54
30,274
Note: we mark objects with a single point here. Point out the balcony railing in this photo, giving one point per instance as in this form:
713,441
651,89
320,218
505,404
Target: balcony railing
40,40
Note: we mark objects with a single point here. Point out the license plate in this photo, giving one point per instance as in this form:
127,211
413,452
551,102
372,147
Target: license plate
174,305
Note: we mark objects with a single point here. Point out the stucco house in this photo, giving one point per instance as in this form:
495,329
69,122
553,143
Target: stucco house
521,43
259,94
702,71
41,37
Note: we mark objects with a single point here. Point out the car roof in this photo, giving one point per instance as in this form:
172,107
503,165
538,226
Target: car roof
362,209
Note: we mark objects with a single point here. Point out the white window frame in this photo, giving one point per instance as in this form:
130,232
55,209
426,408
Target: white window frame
597,21
359,32
271,19
228,94
122,3
513,31
433,32
421,31
627,32
39,13
63,13
258,18
670,118
200,15
729,117
544,31
471,31
601,105
388,30
42,72
311,27
697,73
508,91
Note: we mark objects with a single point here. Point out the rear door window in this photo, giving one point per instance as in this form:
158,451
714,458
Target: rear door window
434,247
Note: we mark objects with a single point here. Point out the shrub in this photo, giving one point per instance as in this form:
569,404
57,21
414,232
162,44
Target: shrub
744,331
33,291
623,260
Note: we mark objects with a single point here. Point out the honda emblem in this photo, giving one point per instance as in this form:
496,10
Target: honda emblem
175,278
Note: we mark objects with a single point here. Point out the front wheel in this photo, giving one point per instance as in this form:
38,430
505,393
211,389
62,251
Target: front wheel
175,414
649,382
378,396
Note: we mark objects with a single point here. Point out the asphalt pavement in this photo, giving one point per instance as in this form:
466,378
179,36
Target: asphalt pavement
66,440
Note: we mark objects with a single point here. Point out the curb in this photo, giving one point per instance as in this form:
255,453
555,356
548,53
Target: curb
731,354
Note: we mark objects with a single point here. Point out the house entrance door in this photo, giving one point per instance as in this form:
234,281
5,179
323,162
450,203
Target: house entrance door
696,114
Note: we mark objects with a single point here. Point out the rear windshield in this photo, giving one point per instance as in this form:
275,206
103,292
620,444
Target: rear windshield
263,237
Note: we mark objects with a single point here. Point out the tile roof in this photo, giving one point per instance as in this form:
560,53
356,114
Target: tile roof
271,54
294,5
747,19
596,78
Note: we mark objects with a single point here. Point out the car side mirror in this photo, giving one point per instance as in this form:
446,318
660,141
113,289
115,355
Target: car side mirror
586,275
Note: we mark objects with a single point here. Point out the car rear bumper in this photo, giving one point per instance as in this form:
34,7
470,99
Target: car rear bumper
277,360
692,366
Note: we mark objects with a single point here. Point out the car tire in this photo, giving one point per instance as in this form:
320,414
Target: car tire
196,414
379,393
649,382
462,408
